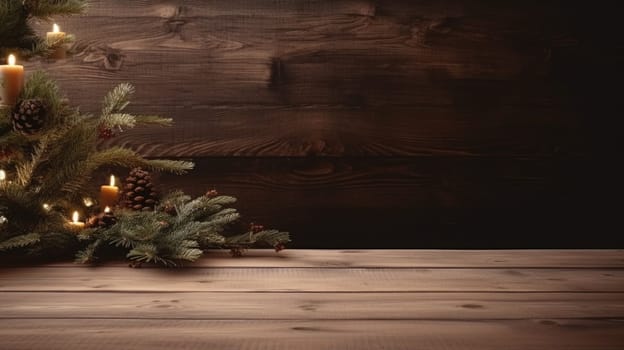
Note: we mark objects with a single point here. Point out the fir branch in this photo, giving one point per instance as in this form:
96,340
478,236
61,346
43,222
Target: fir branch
117,99
118,156
15,31
148,253
223,219
123,121
25,171
188,254
20,241
270,238
119,121
87,255
174,198
41,86
178,167
49,8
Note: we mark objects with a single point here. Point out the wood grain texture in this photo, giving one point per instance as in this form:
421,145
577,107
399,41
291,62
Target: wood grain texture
330,71
112,279
558,301
305,306
68,334
465,94
428,202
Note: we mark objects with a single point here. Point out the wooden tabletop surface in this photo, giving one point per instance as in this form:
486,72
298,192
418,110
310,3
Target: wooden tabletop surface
323,299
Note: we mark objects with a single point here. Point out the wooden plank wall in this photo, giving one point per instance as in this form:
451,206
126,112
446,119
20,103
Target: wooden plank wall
372,123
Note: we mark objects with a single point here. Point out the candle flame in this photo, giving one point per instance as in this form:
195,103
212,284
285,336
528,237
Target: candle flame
107,210
87,201
11,60
2,175
46,207
75,217
55,28
112,181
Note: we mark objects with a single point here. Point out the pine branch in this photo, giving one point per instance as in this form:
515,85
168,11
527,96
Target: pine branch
270,238
148,253
178,167
20,241
117,99
87,255
80,175
40,86
123,121
188,254
47,9
26,171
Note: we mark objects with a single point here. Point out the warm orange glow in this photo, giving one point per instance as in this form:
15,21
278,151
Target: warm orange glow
75,217
107,210
11,60
2,175
112,181
55,28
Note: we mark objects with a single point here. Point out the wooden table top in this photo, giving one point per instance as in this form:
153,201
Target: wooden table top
323,299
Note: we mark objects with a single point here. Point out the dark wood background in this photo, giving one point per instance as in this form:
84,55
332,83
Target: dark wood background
375,123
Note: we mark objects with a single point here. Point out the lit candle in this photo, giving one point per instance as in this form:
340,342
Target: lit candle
2,178
55,40
107,210
109,194
75,224
11,82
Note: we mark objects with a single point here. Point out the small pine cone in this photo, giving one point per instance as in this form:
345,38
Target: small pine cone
170,209
139,193
105,132
212,193
103,220
279,247
255,228
29,116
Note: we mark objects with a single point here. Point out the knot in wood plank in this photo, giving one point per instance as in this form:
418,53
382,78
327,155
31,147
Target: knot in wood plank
175,23
111,59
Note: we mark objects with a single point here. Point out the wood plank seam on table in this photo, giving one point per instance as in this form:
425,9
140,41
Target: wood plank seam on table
429,259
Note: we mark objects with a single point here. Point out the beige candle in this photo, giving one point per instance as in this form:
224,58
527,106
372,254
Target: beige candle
75,224
11,82
109,194
55,40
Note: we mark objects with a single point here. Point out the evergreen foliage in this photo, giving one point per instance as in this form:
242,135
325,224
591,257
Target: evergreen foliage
49,169
16,33
159,237
49,174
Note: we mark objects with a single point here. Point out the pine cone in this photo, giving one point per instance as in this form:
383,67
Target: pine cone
29,116
170,209
103,220
139,191
6,154
105,132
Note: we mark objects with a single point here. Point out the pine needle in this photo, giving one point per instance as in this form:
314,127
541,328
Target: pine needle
117,99
20,241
